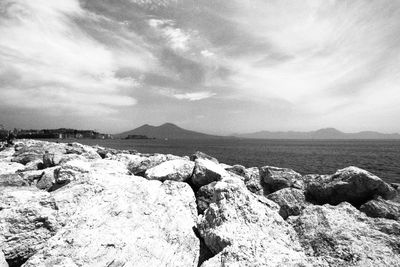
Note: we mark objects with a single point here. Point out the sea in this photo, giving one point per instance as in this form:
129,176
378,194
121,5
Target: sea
380,157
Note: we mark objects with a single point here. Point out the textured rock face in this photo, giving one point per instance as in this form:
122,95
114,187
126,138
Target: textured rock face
132,222
242,231
380,208
253,181
343,236
201,155
7,167
70,206
140,164
177,170
3,262
278,178
351,184
207,171
27,220
291,201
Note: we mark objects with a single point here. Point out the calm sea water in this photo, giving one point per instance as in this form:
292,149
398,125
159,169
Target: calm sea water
305,156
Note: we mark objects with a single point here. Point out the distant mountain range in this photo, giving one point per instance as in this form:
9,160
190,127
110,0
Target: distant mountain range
167,130
172,131
327,133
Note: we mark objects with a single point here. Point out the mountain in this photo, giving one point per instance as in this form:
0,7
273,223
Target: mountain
327,133
167,130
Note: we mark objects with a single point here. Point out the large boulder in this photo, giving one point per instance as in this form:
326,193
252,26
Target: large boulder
254,182
28,217
32,150
291,201
275,178
13,179
138,165
87,152
243,231
350,184
177,170
7,167
381,208
72,170
201,155
204,197
48,179
207,171
123,220
343,236
3,262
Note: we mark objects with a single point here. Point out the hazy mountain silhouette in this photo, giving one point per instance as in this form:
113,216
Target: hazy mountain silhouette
327,133
167,130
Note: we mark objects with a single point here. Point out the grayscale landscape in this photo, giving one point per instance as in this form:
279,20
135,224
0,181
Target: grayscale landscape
199,133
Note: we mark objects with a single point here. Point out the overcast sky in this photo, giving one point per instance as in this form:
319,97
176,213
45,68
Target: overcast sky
209,65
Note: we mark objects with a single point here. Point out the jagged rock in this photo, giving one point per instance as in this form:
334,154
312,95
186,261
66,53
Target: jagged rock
253,181
201,155
13,179
350,184
7,167
27,220
204,196
71,170
177,170
290,200
48,179
140,164
242,231
275,178
125,158
237,169
131,221
32,150
33,166
343,236
225,166
382,208
85,151
3,262
207,171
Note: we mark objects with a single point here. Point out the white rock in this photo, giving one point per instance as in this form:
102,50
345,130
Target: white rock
207,171
177,170
129,221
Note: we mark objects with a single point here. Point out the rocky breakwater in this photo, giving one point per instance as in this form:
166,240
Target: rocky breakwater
75,205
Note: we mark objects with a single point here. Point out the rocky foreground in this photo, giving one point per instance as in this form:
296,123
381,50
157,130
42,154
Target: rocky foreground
75,205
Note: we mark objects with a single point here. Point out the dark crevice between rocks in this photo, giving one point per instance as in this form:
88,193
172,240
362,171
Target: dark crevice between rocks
205,252
58,185
16,262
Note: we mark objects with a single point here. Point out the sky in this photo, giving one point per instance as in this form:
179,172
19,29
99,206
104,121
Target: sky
215,66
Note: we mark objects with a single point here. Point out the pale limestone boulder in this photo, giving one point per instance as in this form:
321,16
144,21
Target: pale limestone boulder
48,178
3,262
72,170
201,155
123,220
142,163
177,170
343,236
87,152
244,231
28,217
350,184
207,171
7,167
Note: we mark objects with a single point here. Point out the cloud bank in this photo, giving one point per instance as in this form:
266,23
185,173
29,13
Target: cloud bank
240,65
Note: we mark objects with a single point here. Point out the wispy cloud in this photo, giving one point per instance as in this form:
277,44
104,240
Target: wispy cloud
289,64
